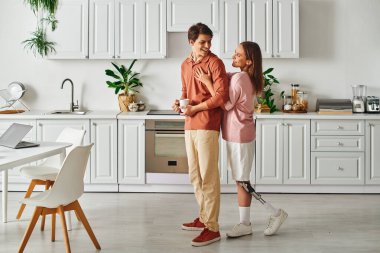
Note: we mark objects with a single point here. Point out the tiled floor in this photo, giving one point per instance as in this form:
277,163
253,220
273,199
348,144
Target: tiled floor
150,222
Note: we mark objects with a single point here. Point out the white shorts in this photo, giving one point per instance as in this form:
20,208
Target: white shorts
239,159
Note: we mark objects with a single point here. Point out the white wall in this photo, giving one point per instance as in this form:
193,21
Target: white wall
339,47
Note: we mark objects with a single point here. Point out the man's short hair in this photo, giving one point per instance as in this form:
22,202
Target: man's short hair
197,29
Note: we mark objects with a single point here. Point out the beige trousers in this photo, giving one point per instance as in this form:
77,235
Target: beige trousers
202,148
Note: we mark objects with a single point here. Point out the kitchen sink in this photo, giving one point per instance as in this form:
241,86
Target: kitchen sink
67,112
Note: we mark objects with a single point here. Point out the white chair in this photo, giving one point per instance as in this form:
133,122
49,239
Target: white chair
46,172
62,197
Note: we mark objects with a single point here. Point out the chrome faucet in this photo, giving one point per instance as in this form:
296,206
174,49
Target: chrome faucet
72,105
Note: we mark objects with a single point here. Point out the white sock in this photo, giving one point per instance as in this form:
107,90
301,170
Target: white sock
245,215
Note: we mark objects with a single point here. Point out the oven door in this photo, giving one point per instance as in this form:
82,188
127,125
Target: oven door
165,151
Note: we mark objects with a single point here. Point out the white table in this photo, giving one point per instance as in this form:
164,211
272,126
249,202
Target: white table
10,158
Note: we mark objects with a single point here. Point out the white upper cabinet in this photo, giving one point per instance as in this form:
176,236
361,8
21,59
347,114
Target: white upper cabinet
102,29
184,13
153,32
259,25
274,25
285,28
232,26
127,35
127,29
71,35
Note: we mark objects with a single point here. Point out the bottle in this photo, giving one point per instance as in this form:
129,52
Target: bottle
302,100
287,103
295,89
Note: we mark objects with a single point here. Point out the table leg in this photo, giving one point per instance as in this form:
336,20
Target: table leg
5,196
67,214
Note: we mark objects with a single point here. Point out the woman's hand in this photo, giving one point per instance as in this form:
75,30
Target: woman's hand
190,110
205,79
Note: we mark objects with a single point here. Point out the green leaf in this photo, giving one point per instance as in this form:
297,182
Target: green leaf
112,74
116,67
117,90
268,71
130,66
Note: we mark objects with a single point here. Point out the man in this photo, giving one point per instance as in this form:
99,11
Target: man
202,126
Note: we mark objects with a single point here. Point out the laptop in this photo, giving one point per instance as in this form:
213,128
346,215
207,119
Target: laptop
12,137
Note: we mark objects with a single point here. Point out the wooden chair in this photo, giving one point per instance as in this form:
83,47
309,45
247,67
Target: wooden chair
46,172
62,197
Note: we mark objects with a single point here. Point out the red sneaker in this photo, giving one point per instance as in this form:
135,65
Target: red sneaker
196,225
205,238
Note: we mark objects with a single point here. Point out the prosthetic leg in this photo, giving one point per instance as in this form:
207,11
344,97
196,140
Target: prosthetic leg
248,188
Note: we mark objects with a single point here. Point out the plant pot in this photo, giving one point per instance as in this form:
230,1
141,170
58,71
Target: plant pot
262,108
125,100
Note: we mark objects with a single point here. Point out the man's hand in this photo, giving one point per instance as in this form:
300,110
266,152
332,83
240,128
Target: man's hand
175,106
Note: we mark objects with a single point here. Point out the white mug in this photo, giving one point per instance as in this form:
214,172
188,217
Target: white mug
183,103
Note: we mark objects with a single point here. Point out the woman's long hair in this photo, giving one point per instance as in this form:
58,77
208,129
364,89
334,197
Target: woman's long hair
255,70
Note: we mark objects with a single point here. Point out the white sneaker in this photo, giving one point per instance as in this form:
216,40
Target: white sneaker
240,230
275,223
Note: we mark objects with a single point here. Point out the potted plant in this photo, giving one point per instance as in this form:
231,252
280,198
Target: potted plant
38,42
266,102
126,81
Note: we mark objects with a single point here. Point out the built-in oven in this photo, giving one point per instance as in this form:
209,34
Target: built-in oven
165,150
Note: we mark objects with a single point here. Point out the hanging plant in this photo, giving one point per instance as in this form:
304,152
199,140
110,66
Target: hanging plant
38,43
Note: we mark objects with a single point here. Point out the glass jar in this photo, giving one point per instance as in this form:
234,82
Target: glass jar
287,103
295,89
302,100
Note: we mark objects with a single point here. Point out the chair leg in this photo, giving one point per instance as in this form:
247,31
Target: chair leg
85,223
37,212
61,213
53,227
76,214
27,195
47,185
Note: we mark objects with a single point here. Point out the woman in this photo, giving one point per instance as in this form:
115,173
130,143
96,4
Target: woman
238,129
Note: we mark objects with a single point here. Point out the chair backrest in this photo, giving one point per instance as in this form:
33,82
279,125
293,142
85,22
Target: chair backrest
69,135
69,185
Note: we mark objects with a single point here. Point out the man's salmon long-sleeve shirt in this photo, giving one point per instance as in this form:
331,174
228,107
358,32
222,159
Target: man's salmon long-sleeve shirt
197,92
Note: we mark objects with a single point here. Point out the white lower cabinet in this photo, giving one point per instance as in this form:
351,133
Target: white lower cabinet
372,152
337,156
104,152
131,151
14,174
48,130
282,151
337,168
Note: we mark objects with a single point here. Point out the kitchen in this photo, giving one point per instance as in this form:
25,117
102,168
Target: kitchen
338,47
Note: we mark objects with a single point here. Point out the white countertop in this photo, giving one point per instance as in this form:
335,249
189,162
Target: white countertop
143,115
315,115
45,114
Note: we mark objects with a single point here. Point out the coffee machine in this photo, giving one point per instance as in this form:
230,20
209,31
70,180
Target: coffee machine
358,99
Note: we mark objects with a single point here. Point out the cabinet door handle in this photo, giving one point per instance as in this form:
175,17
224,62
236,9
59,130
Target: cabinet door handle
339,127
94,124
340,168
340,144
